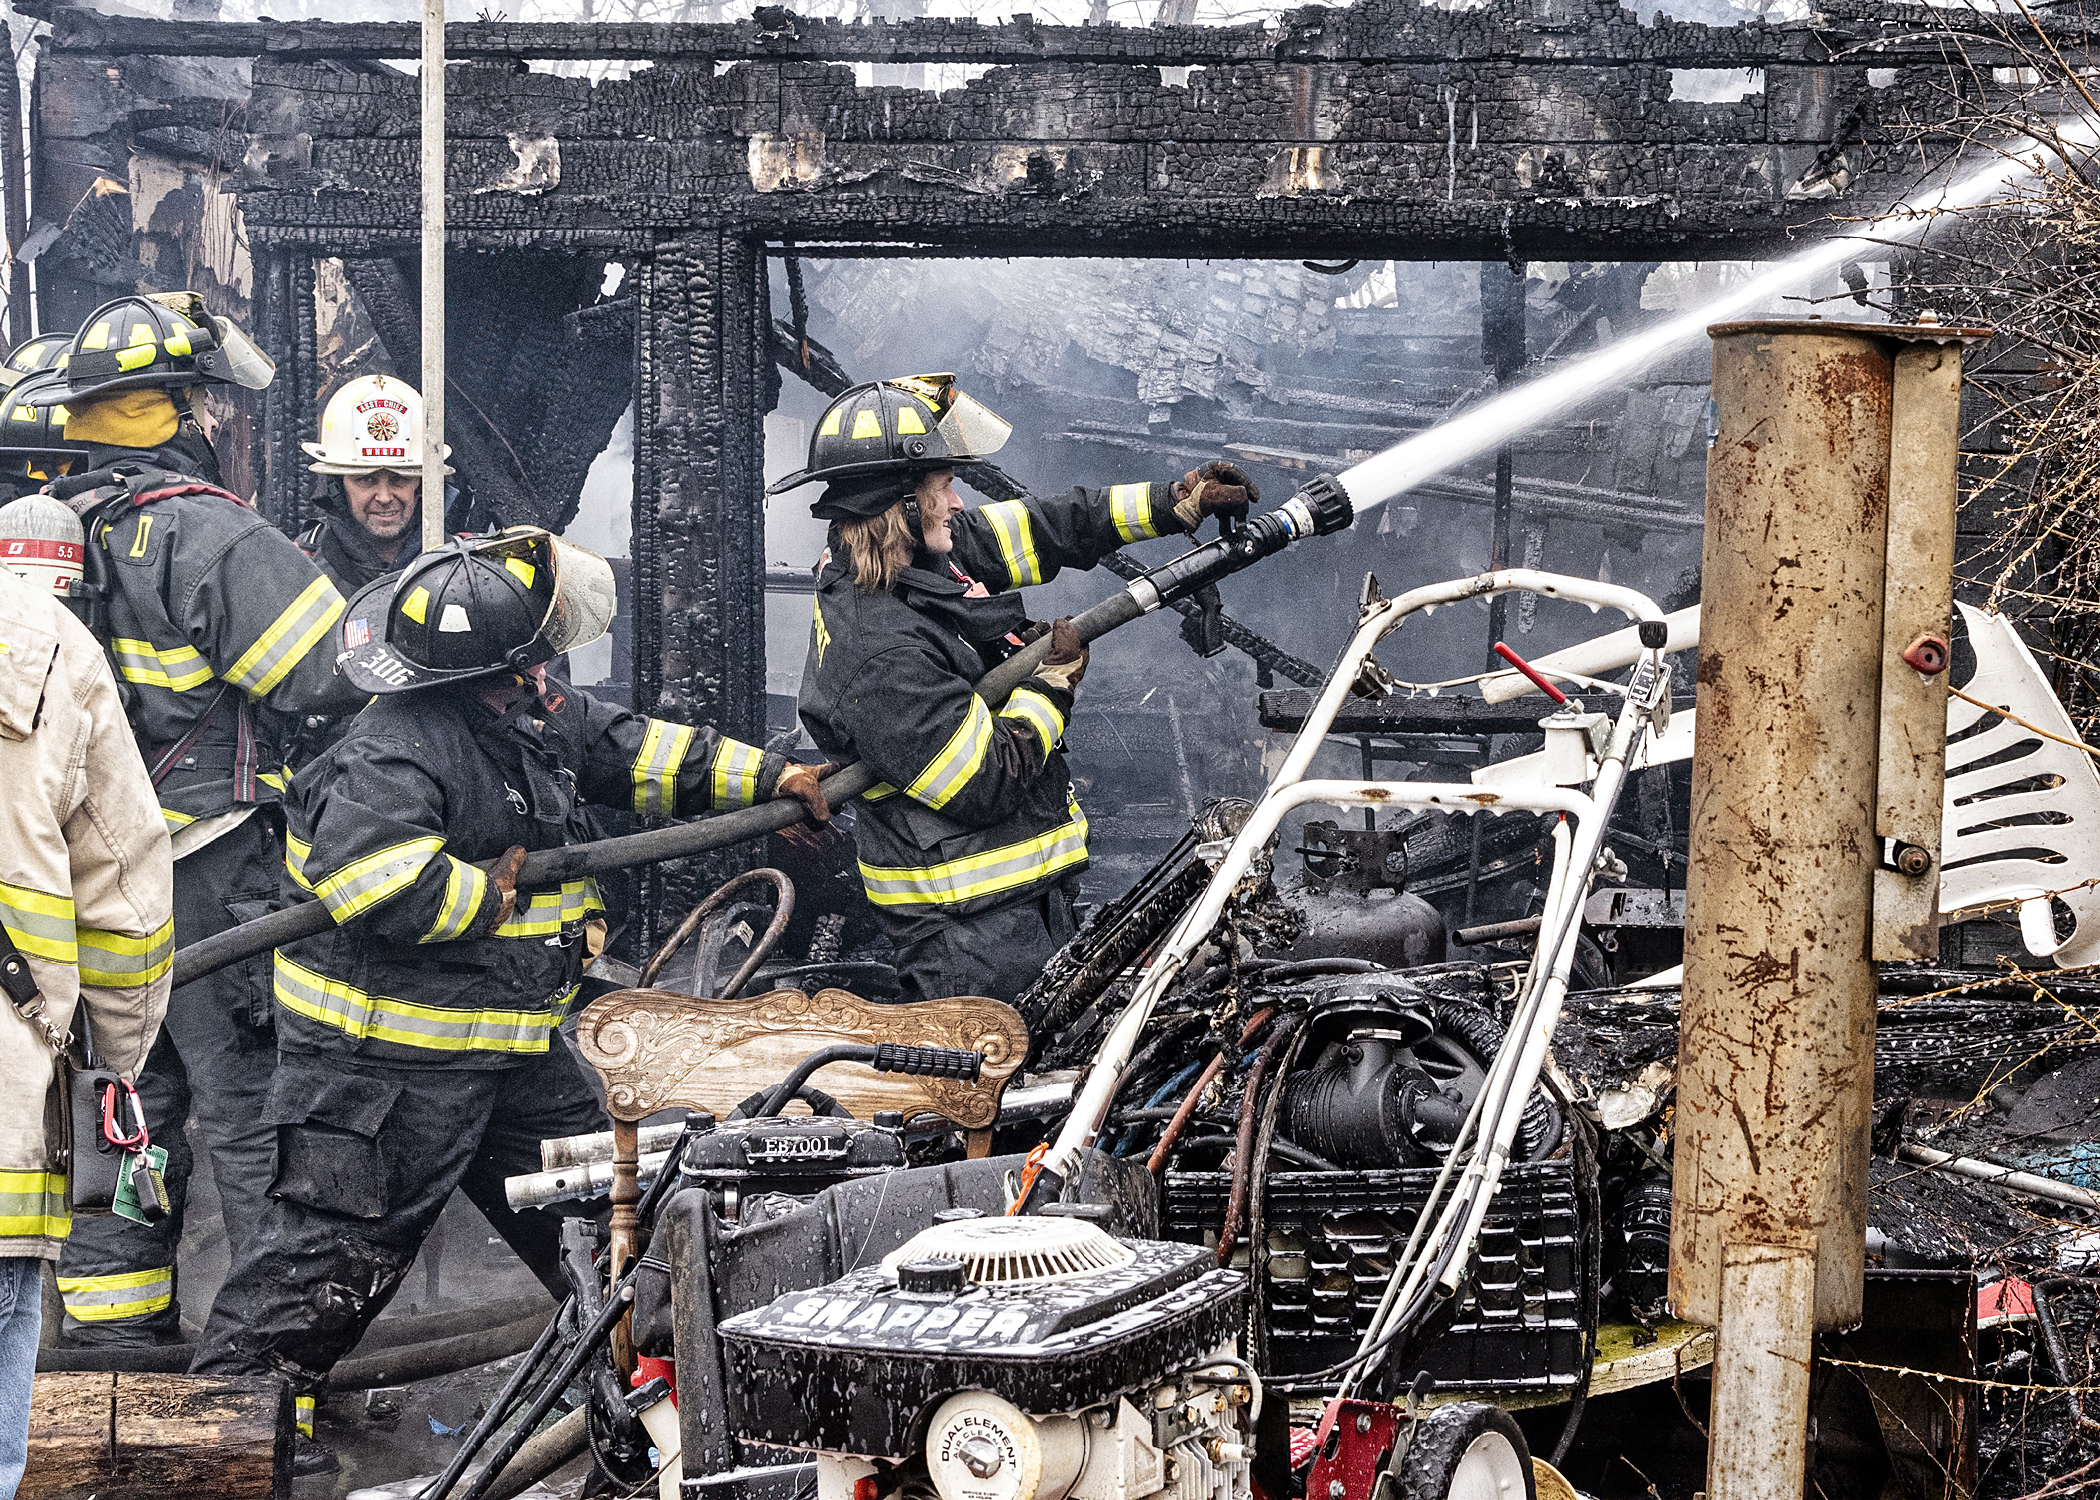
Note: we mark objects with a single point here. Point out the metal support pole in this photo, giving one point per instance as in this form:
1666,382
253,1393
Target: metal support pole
1502,346
1776,1054
16,180
433,455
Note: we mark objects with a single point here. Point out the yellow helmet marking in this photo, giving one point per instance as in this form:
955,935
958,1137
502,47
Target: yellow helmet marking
909,421
141,333
866,424
831,422
417,605
97,337
520,569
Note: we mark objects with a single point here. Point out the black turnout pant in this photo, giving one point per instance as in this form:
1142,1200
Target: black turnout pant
362,1176
996,953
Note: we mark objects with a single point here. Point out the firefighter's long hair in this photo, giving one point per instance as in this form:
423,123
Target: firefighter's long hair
881,547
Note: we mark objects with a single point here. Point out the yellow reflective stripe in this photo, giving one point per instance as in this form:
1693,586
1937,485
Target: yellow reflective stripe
275,780
550,911
735,774
40,923
1036,711
1014,529
822,631
296,851
176,821
303,1415
34,1205
878,791
655,769
950,771
988,874
437,1028
365,882
290,636
178,669
128,1294
1130,508
466,887
115,961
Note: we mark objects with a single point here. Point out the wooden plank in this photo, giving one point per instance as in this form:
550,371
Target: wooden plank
119,1436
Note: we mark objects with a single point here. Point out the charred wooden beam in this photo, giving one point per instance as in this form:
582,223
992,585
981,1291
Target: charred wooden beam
1364,34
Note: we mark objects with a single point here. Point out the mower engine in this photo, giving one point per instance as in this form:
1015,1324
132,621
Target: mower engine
1035,1358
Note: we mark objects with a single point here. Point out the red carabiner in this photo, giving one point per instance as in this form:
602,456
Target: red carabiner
135,1142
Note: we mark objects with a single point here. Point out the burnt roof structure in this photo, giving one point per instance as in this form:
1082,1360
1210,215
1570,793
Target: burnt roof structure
1389,128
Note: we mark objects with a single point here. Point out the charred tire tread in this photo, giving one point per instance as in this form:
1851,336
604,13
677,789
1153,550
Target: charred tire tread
1441,1439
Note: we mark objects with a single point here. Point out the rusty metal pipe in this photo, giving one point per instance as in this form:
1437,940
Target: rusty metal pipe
1808,511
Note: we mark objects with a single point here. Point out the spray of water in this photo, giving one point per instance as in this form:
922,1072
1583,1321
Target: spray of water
1487,426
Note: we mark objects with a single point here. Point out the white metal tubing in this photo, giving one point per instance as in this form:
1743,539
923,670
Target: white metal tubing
433,455
1383,619
1378,622
1593,658
2006,1177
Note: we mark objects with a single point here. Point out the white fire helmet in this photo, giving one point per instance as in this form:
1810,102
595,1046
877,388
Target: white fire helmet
41,539
375,422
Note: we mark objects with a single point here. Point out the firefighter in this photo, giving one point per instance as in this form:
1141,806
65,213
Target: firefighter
971,844
418,1049
219,631
34,448
371,434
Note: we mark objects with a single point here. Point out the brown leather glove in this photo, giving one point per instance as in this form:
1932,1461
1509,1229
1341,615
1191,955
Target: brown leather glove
1066,663
505,875
800,782
1215,488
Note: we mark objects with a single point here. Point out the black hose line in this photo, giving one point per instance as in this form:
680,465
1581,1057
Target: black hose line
1321,507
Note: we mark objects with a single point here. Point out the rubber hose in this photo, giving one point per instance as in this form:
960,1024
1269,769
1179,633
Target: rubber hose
438,1357
1158,1162
1243,1154
387,1334
546,1452
1538,1132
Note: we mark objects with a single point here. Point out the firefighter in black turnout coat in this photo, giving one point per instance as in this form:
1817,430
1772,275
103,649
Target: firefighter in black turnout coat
418,1042
971,844
221,634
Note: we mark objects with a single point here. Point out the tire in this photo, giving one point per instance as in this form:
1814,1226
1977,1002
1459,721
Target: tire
1468,1450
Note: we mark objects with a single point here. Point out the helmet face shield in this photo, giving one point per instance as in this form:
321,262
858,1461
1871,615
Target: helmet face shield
237,360
972,429
585,598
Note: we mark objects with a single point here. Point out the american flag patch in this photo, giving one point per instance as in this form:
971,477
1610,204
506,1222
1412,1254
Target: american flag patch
357,633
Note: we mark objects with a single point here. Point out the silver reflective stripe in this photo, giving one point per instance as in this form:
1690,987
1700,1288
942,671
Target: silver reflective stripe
363,883
383,1018
655,770
40,923
126,1294
959,760
1039,714
290,636
114,961
990,873
1014,530
735,774
1130,508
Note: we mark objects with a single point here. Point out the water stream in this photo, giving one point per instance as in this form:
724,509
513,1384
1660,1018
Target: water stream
1495,421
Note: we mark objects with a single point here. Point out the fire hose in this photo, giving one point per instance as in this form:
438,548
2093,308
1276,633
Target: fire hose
1319,509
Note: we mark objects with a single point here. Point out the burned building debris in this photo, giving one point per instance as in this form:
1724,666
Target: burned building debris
1330,233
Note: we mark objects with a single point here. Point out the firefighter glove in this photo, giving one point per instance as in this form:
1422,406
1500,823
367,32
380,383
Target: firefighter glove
801,783
505,875
1066,663
1216,488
